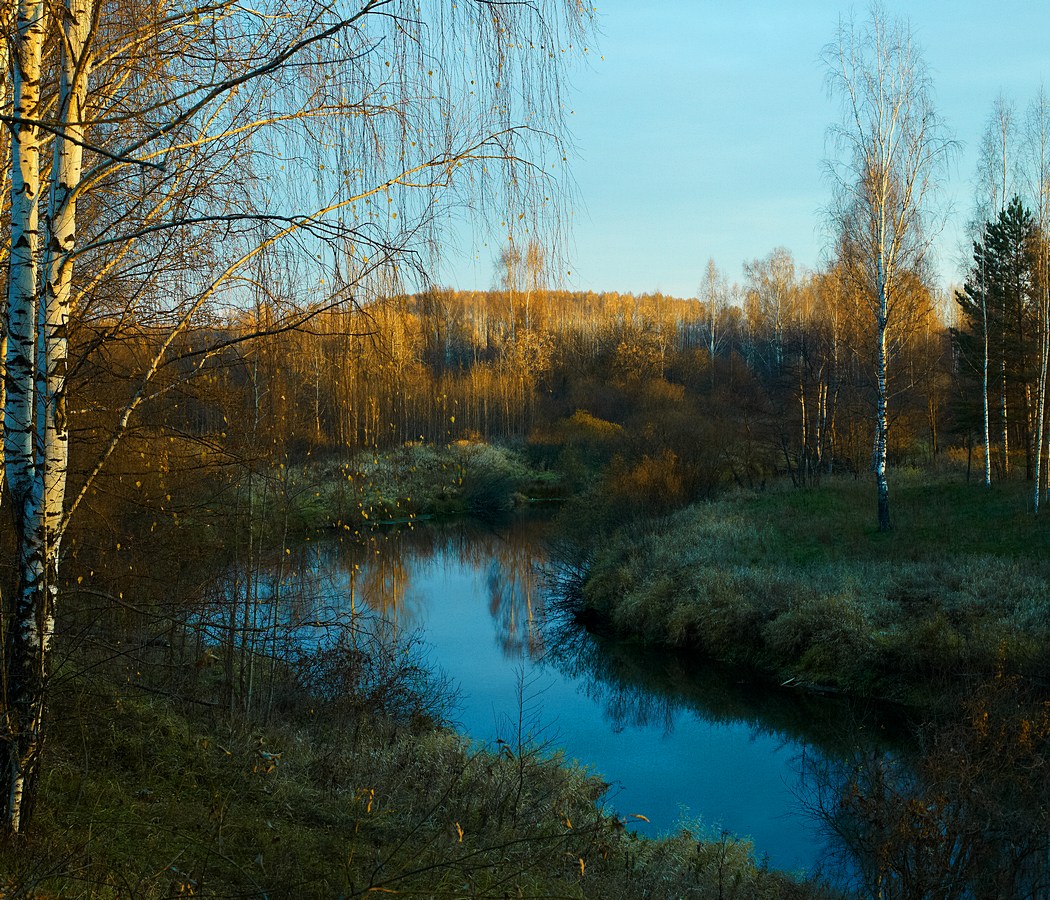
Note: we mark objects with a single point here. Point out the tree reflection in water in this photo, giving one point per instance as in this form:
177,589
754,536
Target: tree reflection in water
517,595
966,815
644,687
957,808
319,584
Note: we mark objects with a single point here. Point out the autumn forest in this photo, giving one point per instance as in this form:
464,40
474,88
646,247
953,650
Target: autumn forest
288,523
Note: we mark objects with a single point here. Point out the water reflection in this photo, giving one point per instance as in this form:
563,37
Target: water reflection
964,815
674,741
383,574
948,810
951,808
516,597
638,686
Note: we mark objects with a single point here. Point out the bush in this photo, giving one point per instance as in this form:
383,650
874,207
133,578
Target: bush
827,634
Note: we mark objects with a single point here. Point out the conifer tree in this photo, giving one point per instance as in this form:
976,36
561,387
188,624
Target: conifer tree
1000,289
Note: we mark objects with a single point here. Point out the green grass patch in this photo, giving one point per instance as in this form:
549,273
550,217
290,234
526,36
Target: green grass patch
414,481
801,584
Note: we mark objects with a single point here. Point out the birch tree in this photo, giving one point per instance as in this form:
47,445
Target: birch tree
209,143
994,180
714,294
891,151
1037,166
772,287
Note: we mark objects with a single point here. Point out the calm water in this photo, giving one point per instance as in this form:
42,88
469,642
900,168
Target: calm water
676,740
677,743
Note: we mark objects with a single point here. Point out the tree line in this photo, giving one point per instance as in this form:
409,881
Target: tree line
738,384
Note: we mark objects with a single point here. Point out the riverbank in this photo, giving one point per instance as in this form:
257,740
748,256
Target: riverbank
798,587
351,785
415,482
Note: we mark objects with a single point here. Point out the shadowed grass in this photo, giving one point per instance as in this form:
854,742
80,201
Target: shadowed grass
147,797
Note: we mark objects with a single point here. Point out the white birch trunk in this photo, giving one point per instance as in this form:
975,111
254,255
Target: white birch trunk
882,419
52,363
1044,303
25,238
21,717
5,189
1040,400
1044,359
883,274
36,432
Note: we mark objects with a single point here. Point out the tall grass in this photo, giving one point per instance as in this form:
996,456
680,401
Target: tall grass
416,480
798,583
354,788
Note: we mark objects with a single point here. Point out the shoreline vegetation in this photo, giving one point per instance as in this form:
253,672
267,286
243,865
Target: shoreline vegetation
796,586
352,782
343,776
415,482
353,785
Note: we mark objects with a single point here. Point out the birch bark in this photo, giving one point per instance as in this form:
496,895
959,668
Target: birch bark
1038,139
36,432
26,632
894,151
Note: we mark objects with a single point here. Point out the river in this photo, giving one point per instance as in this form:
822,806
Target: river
818,784
677,742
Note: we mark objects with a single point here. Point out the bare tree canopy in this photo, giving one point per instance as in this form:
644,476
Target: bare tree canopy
891,151
172,162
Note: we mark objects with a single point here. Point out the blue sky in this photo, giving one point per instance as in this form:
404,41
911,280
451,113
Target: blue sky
700,130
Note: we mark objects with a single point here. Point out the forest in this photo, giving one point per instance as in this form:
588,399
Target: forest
779,369
783,378
225,365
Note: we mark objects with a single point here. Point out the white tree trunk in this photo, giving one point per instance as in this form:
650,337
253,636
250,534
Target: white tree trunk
25,239
881,408
24,637
1005,436
36,434
1044,358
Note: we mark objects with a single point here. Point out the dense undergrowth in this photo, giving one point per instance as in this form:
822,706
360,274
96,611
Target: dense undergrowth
349,784
346,780
799,585
407,483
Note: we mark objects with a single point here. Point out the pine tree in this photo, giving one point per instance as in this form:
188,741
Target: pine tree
1000,292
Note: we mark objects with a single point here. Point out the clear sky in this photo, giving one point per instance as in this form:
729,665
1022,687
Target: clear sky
700,129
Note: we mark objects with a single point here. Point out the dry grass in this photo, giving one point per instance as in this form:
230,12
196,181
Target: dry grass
341,794
800,584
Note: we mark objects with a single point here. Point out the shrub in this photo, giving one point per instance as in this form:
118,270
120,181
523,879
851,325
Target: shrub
827,635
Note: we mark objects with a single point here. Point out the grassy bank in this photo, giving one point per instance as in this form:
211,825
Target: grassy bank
411,482
799,585
349,786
